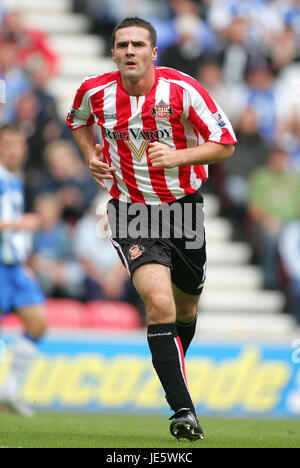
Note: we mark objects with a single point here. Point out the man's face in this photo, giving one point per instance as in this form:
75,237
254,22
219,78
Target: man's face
13,150
133,52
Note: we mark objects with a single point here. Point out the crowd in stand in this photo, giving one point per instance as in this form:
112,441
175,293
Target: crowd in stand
246,53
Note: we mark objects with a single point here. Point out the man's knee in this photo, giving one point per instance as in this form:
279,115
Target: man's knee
38,328
186,313
35,320
160,308
153,282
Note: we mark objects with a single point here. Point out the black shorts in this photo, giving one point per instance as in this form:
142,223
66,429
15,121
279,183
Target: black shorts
171,234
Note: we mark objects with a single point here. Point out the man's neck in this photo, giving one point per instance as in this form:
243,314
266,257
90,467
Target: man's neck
141,86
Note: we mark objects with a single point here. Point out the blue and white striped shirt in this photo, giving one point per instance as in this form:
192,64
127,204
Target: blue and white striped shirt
14,245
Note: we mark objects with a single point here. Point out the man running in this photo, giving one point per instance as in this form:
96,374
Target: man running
159,129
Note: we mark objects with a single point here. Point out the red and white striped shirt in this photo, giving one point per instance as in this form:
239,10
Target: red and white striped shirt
178,112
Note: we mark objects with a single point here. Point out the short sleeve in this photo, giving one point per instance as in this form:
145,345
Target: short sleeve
207,117
80,114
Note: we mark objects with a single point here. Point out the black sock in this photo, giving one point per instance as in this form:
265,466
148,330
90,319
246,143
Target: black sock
186,332
168,361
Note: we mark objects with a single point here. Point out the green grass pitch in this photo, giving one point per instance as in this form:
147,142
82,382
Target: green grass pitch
82,430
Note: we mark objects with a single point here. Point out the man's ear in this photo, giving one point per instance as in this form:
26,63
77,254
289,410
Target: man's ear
154,53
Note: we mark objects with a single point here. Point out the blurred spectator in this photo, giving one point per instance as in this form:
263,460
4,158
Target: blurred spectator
265,97
115,11
210,75
2,11
295,136
274,201
235,52
33,128
106,14
169,31
39,77
16,82
52,258
290,135
289,250
222,13
39,129
31,44
105,278
251,153
263,17
193,41
290,11
68,177
285,49
93,248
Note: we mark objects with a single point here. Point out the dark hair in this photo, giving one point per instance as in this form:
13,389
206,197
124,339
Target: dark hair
127,22
11,127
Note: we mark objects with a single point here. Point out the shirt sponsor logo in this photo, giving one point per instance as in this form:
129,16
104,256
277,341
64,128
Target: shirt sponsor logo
143,136
138,134
138,152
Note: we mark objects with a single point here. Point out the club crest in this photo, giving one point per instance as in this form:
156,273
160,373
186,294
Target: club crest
162,111
135,251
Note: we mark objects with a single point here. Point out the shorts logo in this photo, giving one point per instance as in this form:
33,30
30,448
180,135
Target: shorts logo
162,111
135,251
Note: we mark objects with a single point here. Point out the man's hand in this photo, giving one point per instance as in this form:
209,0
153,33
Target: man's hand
162,156
207,153
99,169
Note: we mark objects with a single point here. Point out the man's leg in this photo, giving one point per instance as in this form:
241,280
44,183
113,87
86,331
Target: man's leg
186,315
24,351
153,283
35,320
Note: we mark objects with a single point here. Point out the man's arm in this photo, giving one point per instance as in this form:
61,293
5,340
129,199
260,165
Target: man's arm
208,153
29,222
85,138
